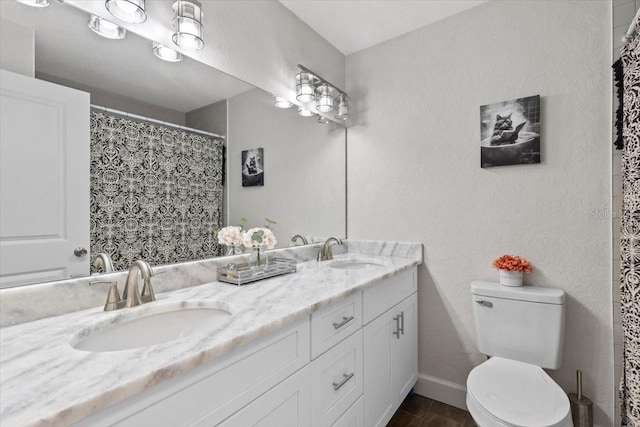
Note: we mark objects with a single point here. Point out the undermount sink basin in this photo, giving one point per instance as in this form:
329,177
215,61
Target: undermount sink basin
152,324
354,264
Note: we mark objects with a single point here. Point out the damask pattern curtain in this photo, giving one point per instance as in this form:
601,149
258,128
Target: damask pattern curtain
630,234
156,192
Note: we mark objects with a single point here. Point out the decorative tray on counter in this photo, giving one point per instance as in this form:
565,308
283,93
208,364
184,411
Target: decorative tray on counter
241,274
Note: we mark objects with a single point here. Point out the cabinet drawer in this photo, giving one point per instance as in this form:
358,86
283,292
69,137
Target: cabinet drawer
380,298
209,393
337,380
332,324
354,417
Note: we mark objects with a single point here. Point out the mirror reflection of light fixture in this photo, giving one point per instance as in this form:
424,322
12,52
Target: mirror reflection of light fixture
188,25
343,110
165,53
281,102
34,3
127,10
305,113
324,96
310,86
305,89
105,28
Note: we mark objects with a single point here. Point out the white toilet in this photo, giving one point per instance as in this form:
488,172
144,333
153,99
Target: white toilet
522,329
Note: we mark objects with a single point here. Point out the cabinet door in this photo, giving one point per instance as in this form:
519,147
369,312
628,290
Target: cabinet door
378,392
404,349
286,405
390,361
353,417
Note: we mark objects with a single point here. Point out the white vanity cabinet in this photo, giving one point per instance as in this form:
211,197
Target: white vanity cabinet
210,393
325,370
390,346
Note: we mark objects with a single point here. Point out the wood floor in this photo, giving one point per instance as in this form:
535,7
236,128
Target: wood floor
419,411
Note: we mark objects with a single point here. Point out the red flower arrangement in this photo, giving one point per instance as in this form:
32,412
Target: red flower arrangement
512,263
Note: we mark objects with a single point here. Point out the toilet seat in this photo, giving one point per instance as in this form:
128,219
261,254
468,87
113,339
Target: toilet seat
508,393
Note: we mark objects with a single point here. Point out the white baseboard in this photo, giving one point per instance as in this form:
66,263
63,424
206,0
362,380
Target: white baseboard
442,390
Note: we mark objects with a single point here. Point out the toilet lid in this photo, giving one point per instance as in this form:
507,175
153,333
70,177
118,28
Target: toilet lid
518,393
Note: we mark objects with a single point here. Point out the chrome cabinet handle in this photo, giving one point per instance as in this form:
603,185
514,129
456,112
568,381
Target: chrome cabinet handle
397,331
345,378
488,304
80,252
401,329
344,321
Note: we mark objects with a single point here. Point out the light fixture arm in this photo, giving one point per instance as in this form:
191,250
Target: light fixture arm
322,80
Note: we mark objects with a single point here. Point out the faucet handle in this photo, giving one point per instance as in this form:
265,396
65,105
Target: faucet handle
147,291
114,301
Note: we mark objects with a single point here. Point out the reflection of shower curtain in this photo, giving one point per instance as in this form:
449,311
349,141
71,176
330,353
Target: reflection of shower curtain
630,234
156,192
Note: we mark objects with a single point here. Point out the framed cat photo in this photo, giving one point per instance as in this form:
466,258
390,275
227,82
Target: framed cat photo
510,132
253,167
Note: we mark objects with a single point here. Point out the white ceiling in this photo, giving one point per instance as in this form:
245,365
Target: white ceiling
353,25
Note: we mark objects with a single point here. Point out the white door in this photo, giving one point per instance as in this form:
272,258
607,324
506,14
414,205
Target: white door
44,180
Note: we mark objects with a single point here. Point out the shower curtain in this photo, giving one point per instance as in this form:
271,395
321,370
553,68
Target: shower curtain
630,234
156,192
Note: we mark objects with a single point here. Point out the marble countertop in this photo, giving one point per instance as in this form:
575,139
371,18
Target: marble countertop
44,381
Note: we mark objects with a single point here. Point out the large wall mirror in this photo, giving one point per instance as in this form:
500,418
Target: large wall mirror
302,160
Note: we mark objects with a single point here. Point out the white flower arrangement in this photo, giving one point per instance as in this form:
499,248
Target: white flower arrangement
258,237
230,235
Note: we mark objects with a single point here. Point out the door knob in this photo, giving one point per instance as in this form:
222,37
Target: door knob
80,252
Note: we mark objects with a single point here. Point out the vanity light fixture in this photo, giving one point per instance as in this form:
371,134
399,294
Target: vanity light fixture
166,54
343,111
310,86
105,28
323,120
188,25
131,11
324,96
305,113
34,3
305,87
281,102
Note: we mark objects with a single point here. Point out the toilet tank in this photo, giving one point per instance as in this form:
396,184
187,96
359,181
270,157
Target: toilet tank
519,323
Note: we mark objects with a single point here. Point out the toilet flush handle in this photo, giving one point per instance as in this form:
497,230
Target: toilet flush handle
485,303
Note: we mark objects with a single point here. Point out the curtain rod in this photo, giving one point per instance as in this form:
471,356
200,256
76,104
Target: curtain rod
632,28
150,120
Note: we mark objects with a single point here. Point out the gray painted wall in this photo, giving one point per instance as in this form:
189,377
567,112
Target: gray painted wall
414,174
304,181
17,48
212,118
123,103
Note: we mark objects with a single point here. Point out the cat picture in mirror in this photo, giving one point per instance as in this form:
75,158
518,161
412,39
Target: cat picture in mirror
510,132
253,167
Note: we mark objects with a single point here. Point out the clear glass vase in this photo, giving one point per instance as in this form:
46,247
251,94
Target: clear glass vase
233,250
258,257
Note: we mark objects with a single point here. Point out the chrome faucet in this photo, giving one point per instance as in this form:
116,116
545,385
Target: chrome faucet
299,237
130,296
325,254
103,260
131,293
